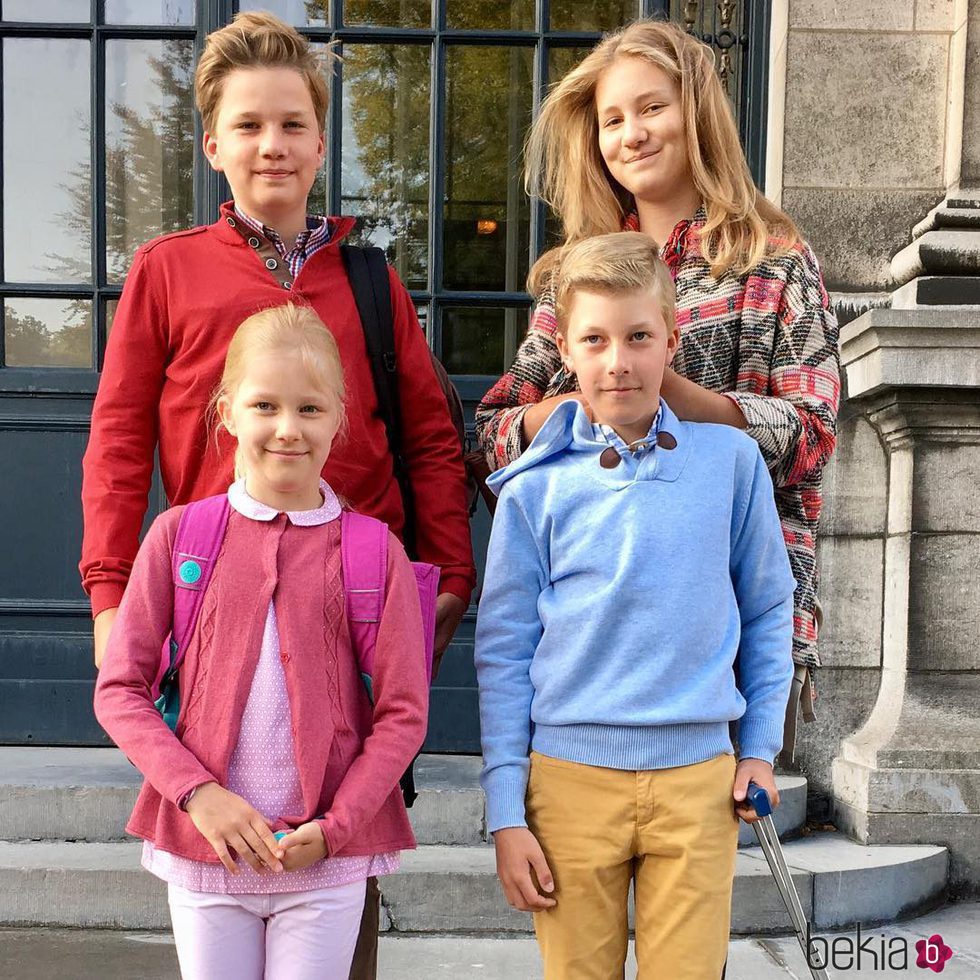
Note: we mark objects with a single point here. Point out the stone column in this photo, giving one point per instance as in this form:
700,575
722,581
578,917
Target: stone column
873,130
911,774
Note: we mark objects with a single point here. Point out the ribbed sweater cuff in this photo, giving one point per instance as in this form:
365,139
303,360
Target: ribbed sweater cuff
759,739
505,789
106,595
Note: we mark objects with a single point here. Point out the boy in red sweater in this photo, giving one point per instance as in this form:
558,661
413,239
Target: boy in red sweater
263,102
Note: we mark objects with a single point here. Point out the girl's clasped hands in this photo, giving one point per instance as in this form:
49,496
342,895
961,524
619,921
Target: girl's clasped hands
230,824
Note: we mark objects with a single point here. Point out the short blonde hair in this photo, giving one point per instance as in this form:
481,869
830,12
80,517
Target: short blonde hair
258,40
565,168
278,329
617,264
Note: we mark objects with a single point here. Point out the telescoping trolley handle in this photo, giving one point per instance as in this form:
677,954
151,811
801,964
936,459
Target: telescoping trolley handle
765,830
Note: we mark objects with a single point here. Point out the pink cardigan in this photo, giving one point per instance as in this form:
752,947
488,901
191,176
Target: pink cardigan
350,757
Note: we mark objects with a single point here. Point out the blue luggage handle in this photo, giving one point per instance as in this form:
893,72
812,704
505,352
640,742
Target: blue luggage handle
759,799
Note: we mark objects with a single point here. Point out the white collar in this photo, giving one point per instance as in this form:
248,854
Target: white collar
249,507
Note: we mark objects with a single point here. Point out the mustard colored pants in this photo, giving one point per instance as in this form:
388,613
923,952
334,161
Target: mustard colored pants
673,832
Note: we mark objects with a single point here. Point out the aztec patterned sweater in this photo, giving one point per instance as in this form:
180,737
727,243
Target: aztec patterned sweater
768,340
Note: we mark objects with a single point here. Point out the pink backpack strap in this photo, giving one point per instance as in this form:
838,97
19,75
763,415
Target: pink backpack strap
198,540
364,557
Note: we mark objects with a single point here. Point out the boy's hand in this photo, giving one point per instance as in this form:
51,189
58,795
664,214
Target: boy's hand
226,820
753,771
101,627
449,611
518,855
303,846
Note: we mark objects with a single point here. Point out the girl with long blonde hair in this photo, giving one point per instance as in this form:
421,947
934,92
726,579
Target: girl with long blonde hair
640,136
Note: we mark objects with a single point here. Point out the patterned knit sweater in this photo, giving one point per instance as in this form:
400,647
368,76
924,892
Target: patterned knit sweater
767,339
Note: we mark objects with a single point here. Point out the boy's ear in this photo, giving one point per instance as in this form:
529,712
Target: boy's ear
210,146
673,342
562,344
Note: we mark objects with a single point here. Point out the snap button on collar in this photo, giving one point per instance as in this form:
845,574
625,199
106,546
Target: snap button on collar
271,264
230,221
254,242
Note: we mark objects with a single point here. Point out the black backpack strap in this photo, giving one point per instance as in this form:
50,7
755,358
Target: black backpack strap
367,270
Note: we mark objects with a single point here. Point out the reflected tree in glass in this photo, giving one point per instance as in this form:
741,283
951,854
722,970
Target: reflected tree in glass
488,103
592,15
149,168
387,13
385,177
149,153
47,333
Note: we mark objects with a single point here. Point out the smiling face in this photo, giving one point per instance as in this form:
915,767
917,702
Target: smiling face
285,424
268,144
642,137
619,346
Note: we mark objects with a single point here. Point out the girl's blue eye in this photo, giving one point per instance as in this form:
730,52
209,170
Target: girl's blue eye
263,406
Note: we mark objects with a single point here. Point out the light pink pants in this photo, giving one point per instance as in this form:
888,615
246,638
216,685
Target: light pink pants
292,936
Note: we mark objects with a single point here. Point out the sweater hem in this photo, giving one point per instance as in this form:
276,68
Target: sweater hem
634,748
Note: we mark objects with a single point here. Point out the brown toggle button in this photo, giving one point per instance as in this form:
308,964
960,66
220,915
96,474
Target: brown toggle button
609,459
284,657
666,441
271,263
254,242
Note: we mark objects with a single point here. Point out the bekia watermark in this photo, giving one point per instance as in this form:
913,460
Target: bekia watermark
870,951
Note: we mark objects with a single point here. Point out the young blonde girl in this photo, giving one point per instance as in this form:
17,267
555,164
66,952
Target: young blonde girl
275,732
639,136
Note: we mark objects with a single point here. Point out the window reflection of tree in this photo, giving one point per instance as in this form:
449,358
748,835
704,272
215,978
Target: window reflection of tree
488,109
149,163
29,343
386,96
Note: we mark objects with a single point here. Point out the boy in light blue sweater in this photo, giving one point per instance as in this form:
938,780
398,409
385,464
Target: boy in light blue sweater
633,558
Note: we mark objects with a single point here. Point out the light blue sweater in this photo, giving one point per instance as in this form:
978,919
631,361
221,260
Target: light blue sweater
616,600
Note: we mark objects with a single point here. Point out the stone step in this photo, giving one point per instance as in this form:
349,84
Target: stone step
453,889
948,251
937,291
87,794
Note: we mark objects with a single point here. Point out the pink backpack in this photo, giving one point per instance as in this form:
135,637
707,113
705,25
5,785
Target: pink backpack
364,558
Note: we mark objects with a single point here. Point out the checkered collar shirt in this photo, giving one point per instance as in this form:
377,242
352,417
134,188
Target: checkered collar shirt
319,231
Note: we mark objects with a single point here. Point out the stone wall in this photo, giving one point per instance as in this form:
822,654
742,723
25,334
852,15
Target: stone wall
881,119
850,555
970,170
873,125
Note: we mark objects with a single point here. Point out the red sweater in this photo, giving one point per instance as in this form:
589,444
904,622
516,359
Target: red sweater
349,757
184,298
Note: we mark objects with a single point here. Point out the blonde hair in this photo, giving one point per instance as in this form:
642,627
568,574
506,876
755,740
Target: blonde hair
617,264
258,40
565,167
290,328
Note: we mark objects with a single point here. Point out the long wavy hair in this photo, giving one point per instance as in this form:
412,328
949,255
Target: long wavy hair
565,168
